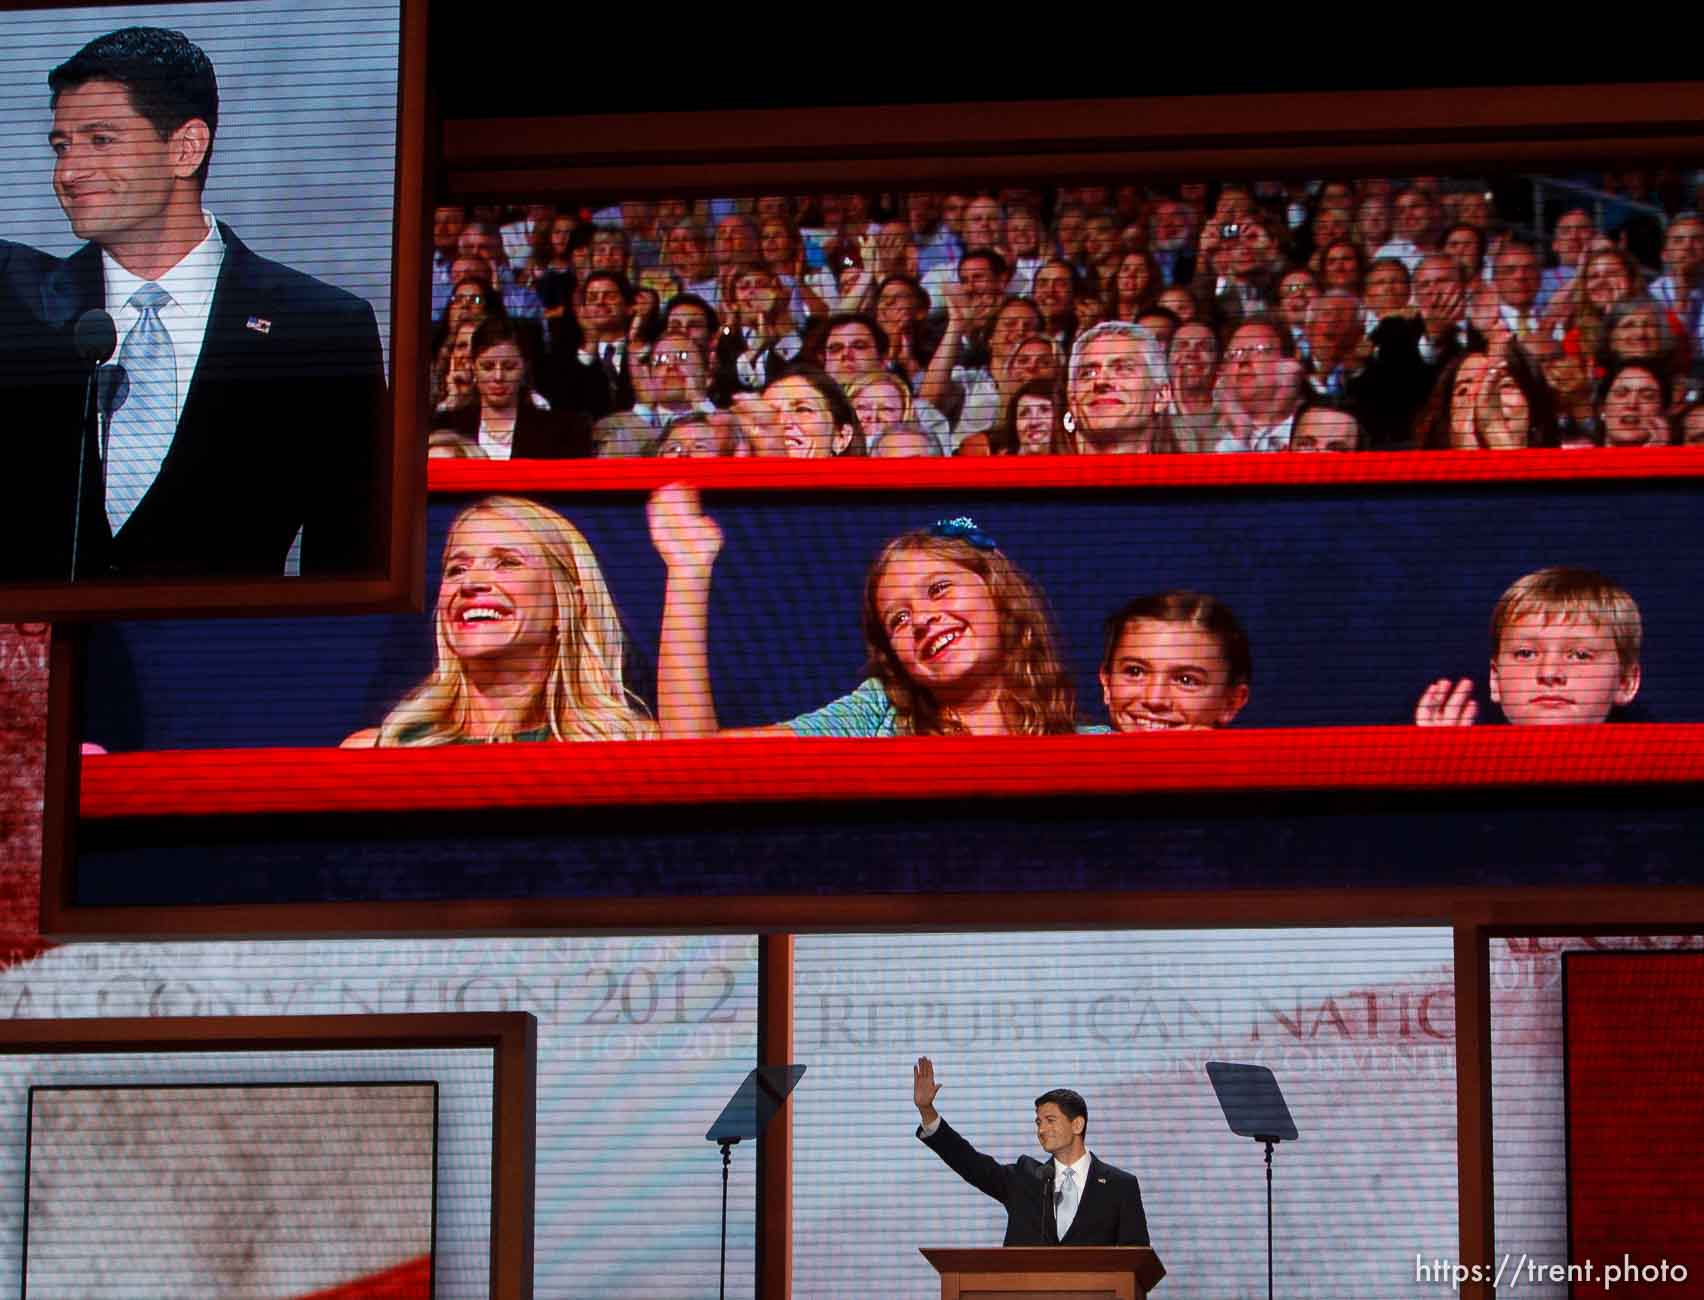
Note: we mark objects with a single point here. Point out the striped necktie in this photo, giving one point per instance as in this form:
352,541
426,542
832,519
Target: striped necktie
1067,1205
144,425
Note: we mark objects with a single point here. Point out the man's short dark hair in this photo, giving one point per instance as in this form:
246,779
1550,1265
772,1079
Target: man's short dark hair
1334,406
1518,243
996,263
837,319
614,277
1286,340
911,282
168,77
680,300
612,232
1070,1103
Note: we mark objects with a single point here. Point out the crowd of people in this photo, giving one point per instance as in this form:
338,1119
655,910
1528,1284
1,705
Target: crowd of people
1280,316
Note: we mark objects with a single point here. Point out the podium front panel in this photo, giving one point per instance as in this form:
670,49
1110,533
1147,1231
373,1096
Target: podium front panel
1034,1286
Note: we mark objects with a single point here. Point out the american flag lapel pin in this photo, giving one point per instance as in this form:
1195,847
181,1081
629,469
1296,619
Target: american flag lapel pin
260,325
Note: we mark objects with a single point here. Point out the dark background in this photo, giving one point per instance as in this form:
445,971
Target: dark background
489,62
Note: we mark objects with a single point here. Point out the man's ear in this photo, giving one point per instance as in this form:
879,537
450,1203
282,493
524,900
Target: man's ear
1628,686
190,144
1079,1125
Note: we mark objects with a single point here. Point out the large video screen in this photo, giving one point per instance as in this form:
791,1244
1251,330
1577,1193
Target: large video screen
1635,1059
1357,1025
230,1190
1123,623
641,1040
1534,1099
1351,610
196,277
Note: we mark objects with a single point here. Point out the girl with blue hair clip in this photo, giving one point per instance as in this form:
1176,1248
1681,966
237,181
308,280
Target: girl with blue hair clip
960,639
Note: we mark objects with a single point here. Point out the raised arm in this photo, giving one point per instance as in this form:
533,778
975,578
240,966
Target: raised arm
984,1173
937,384
689,541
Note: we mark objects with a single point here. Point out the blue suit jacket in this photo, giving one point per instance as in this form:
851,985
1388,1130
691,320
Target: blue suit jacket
282,430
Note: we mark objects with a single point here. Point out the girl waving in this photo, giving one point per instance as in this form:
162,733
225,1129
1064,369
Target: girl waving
959,638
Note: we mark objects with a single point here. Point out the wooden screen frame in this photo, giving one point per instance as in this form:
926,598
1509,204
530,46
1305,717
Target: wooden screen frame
399,458
511,1036
939,145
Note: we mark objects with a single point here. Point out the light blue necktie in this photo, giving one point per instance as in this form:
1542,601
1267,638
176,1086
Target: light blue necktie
1067,1208
143,427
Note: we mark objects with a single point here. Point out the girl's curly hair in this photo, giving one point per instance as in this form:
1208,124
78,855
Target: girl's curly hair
1036,695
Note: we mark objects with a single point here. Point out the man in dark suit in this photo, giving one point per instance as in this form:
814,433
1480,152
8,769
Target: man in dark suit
252,394
1408,353
1074,1199
593,373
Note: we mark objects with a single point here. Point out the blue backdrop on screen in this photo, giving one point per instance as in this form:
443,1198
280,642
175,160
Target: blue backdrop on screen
1353,604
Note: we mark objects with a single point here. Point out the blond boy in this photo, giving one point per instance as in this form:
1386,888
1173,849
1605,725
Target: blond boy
1564,650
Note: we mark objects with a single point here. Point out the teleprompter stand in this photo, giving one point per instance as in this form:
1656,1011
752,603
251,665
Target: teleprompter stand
1254,1108
746,1115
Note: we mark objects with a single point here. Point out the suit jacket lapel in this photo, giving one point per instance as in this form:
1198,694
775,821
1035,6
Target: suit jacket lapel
73,287
235,303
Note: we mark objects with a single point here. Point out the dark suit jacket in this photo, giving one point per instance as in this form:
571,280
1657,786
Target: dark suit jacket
1394,385
539,435
280,431
572,385
1109,1211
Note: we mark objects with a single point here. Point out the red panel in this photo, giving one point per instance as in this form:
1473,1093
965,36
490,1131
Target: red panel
410,1281
981,473
23,771
193,783
1635,1064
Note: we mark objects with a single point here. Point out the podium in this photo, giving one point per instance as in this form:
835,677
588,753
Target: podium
1046,1272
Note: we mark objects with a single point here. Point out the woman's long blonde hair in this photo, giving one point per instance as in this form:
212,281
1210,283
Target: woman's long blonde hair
583,696
1036,696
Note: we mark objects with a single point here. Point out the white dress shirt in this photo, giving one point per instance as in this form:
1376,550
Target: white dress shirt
184,316
190,283
1275,437
1080,1174
1517,321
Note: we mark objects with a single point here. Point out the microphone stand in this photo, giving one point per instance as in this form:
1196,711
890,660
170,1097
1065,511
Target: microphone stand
1269,1142
88,441
95,339
727,1145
